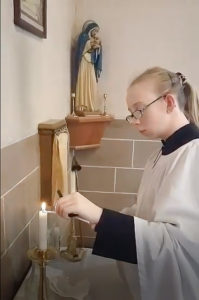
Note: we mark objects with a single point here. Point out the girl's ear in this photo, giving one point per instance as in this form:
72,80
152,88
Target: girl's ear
171,102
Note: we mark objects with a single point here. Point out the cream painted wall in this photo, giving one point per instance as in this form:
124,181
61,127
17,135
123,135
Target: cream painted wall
35,71
138,34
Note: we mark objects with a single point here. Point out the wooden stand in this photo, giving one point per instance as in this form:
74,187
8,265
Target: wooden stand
47,131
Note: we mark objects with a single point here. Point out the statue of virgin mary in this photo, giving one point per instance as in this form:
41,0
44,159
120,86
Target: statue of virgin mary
88,65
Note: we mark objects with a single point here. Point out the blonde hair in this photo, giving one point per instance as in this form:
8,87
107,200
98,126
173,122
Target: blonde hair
167,81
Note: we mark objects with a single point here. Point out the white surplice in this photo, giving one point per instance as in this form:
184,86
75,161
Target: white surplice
166,220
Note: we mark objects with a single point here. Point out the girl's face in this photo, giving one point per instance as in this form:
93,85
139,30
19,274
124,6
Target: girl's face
153,122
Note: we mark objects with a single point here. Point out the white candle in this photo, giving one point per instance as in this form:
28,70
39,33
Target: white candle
43,227
72,182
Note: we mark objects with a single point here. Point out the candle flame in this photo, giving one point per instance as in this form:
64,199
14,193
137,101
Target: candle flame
43,206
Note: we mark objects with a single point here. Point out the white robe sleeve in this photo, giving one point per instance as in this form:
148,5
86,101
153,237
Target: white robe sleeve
168,246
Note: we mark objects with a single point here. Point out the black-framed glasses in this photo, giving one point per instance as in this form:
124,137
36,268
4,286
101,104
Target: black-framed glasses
137,114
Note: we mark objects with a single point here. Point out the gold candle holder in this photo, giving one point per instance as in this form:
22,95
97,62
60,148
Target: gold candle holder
73,105
42,257
105,100
72,252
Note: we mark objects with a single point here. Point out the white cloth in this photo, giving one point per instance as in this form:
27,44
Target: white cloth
60,164
63,286
167,226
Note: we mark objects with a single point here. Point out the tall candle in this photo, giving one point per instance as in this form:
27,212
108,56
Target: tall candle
72,182
43,227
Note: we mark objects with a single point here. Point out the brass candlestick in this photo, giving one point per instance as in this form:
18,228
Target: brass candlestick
73,105
105,99
72,252
42,257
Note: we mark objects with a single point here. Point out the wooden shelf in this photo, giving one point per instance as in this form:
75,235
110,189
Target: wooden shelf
86,132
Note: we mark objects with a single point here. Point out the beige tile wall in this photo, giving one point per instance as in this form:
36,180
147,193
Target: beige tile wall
20,194
111,174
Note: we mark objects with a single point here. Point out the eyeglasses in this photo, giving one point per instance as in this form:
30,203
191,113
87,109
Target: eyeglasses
137,114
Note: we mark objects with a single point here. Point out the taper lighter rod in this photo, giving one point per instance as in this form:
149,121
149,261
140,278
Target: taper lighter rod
70,215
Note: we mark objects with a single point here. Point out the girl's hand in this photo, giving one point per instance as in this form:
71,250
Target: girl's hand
77,204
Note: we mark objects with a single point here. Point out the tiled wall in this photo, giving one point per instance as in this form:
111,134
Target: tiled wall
111,174
20,194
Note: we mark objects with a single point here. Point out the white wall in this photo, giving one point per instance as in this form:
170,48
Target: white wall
35,71
138,34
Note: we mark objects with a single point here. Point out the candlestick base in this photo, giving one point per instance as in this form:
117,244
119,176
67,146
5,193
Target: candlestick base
42,257
77,256
72,252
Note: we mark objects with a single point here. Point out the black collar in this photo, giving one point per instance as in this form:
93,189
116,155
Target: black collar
179,138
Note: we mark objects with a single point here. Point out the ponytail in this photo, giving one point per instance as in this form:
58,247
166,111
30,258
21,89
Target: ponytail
191,108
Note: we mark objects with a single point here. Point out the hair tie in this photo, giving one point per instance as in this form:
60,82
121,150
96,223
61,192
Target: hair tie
182,78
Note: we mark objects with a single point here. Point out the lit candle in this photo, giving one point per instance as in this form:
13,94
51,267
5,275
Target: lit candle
72,182
43,227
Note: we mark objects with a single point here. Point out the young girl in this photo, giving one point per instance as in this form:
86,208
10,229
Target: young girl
158,237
